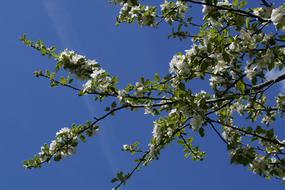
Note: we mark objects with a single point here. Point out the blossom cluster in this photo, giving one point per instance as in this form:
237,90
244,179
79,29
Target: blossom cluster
64,144
173,11
213,15
263,12
157,135
162,133
166,128
178,65
98,80
144,15
265,166
278,17
77,64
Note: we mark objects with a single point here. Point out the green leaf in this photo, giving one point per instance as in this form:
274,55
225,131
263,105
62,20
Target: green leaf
114,180
82,138
242,4
190,140
57,157
226,57
37,74
62,80
235,3
43,51
247,22
113,105
240,86
156,77
81,93
180,141
53,83
201,132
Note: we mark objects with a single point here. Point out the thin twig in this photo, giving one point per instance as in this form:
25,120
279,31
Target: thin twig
216,131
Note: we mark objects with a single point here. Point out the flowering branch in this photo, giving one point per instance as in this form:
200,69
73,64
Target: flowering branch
232,52
238,11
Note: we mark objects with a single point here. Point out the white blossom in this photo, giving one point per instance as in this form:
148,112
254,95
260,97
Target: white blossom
87,86
126,147
52,146
260,165
76,57
148,110
180,8
197,121
278,16
169,132
121,94
156,132
92,62
251,71
178,65
172,112
66,53
64,130
264,12
214,80
220,66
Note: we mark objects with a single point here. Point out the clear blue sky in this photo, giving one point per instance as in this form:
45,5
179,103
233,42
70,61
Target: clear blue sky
31,112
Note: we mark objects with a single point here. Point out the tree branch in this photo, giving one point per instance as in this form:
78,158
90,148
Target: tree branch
187,145
101,93
266,3
274,141
146,154
216,131
266,83
240,12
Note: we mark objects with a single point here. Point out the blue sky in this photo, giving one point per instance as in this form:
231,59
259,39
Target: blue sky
31,112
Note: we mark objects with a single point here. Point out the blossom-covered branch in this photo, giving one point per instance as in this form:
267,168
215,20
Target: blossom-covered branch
232,53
